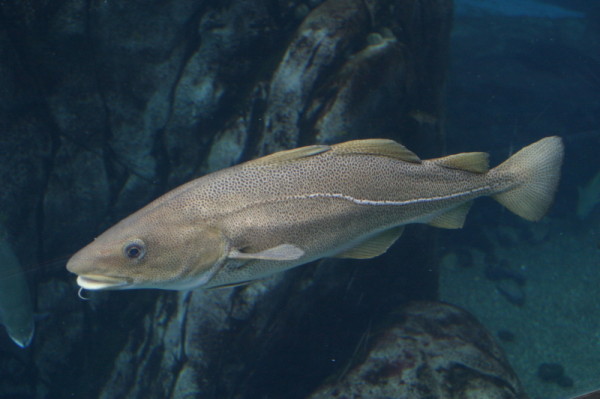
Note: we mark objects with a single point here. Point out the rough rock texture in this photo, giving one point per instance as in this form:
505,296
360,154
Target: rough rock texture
429,350
106,104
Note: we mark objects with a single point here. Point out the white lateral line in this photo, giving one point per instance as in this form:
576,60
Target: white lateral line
388,202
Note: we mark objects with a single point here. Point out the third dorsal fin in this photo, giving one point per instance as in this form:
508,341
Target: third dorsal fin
476,162
381,147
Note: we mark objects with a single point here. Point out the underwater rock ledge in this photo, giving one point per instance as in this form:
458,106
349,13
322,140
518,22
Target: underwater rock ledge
430,349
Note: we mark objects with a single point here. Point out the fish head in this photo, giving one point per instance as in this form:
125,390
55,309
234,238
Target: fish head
159,249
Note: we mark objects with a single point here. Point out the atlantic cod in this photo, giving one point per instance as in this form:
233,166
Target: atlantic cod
348,200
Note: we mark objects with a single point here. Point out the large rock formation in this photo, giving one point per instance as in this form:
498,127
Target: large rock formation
106,104
427,350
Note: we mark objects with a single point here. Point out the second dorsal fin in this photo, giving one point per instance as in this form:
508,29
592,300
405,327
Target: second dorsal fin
381,147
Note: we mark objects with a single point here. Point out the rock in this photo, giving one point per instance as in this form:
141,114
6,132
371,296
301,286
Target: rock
554,372
105,105
506,335
565,381
429,350
511,291
320,44
26,142
498,271
78,182
340,106
217,78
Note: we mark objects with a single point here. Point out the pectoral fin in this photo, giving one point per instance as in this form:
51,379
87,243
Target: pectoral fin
453,219
374,246
281,252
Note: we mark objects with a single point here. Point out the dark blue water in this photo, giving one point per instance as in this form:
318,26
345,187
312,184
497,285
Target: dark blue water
104,106
521,71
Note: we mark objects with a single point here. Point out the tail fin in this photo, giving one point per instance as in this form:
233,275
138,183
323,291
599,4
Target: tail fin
536,168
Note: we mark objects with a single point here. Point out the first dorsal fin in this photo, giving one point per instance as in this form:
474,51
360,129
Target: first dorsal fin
291,155
381,147
373,246
476,162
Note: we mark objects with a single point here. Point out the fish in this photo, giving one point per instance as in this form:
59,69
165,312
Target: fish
16,308
264,216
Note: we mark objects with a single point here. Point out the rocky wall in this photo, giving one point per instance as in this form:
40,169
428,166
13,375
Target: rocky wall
104,105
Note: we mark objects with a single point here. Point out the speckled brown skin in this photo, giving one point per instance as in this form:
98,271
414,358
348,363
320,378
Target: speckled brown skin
322,200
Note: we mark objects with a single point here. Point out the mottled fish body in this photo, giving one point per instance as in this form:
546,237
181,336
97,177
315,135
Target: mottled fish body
346,200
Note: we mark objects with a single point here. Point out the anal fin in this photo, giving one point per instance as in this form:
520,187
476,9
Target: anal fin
374,246
452,219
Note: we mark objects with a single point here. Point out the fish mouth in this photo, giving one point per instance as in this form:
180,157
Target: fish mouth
100,282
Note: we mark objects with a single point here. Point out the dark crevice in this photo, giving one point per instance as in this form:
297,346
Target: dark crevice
193,41
28,73
255,129
116,170
324,84
181,359
40,214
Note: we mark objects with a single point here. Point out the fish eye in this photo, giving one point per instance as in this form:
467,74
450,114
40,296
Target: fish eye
135,249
